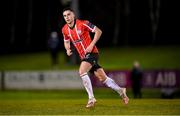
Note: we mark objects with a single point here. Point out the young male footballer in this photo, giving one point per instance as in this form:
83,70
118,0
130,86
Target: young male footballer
78,32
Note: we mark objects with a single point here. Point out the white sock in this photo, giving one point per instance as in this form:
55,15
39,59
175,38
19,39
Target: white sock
87,84
110,83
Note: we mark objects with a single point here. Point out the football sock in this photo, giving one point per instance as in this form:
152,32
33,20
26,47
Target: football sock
87,84
110,83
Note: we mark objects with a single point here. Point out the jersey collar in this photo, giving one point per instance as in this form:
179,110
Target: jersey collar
73,25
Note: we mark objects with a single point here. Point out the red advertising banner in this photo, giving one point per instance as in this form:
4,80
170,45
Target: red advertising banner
150,78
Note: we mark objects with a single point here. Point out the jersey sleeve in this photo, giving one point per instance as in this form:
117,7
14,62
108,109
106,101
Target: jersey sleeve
89,26
65,36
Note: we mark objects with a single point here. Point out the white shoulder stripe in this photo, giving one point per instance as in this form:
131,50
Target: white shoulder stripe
90,27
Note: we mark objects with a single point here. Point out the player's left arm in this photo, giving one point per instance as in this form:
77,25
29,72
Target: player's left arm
97,35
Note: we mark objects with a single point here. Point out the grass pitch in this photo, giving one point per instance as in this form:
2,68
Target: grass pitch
72,102
103,107
152,57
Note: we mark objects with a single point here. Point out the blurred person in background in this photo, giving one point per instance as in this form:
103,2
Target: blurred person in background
53,44
136,79
78,32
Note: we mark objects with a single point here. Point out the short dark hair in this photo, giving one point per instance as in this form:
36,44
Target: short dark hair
68,8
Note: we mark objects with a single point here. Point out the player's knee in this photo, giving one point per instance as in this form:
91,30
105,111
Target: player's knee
81,73
101,78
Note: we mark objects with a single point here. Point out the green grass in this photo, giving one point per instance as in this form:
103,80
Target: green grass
149,57
103,107
166,57
64,94
30,61
72,102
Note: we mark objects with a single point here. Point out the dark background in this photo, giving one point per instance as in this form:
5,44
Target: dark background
27,23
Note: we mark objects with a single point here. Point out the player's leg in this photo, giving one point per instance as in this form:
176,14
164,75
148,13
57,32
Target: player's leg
84,68
101,75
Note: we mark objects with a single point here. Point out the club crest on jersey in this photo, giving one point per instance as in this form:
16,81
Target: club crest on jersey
79,31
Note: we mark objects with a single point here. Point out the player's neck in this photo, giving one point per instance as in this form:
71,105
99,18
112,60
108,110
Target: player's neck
72,25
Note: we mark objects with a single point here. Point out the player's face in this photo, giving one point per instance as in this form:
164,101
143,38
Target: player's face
68,16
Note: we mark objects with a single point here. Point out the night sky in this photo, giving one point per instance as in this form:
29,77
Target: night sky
27,23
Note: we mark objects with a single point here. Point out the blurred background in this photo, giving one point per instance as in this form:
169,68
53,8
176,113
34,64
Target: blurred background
124,22
143,31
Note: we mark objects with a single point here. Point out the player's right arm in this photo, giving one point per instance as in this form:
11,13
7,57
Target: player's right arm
67,45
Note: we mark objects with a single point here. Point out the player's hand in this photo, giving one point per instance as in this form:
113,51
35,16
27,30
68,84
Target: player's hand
89,48
69,52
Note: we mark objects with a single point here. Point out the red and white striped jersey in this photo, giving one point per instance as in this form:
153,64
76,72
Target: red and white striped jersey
79,35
